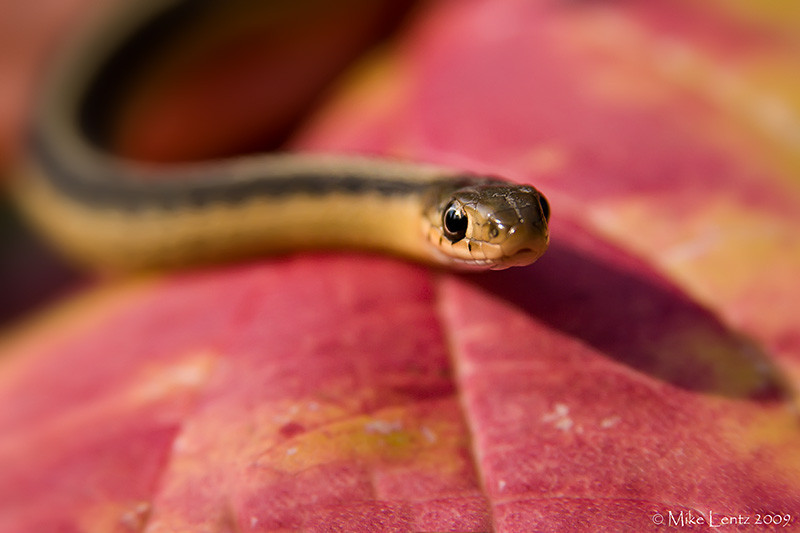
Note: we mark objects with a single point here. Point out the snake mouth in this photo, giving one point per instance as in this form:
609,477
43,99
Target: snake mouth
522,257
486,256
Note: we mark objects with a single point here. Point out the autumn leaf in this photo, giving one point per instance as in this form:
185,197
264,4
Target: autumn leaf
642,376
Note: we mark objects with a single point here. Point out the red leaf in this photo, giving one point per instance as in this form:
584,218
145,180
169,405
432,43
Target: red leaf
644,370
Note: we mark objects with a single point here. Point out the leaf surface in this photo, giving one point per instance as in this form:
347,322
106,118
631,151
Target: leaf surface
646,367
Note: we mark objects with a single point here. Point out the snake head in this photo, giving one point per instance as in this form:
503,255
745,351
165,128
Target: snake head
488,223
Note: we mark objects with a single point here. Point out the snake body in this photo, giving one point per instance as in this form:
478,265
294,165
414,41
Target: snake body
115,213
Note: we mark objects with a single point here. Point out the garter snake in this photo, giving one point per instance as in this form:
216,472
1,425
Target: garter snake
111,212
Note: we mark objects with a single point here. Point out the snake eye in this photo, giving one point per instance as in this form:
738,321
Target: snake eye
455,223
545,205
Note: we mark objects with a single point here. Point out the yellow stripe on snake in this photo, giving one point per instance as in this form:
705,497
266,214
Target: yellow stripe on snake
110,212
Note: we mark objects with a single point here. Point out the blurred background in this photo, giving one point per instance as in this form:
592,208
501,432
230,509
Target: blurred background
650,359
254,75
598,99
